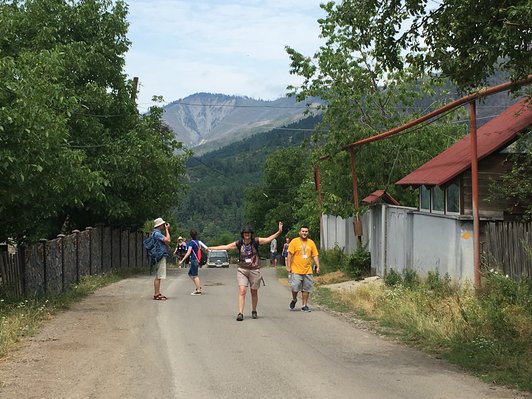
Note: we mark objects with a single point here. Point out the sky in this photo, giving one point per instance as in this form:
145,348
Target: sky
234,47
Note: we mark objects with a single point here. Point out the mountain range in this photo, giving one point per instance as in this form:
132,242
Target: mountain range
206,121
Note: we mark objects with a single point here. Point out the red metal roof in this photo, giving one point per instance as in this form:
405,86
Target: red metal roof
380,194
491,137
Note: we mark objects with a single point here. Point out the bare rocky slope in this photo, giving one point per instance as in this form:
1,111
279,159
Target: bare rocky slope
217,119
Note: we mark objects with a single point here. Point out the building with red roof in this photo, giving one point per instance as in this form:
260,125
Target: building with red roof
445,180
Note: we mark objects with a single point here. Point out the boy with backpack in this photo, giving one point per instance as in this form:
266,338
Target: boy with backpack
248,272
194,252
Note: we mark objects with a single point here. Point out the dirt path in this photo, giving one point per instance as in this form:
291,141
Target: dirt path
119,343
76,352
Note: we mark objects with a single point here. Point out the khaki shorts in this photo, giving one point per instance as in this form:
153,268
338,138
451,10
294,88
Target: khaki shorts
161,268
250,277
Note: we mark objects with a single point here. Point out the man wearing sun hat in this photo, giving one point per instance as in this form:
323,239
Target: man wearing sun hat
160,266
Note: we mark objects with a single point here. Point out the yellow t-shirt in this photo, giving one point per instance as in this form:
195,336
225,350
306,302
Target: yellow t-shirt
302,253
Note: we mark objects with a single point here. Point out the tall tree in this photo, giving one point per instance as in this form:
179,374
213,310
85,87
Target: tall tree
516,185
273,200
364,99
74,149
465,41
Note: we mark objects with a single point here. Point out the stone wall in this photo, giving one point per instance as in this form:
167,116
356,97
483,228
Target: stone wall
52,266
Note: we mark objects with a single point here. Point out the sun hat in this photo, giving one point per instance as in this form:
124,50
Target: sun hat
158,222
179,238
246,229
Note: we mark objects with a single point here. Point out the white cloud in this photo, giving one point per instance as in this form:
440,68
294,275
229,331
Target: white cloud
229,46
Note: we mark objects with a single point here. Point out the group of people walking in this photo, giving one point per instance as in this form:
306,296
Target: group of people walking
299,254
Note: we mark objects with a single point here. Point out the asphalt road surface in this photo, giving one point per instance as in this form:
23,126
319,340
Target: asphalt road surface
120,343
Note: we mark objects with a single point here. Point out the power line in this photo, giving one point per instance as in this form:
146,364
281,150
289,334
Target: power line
208,166
244,106
306,106
305,130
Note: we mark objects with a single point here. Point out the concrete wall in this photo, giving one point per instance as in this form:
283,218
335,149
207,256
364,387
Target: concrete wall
443,244
402,238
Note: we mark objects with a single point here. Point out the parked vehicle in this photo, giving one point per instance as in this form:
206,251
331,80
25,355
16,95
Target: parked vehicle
218,258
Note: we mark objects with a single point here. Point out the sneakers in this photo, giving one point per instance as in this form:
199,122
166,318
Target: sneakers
240,316
293,304
305,309
196,293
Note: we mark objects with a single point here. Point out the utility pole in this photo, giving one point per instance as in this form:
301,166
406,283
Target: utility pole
134,88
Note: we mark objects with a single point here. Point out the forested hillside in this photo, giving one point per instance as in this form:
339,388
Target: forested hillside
218,180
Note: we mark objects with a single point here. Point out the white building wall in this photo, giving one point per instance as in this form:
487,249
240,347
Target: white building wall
402,238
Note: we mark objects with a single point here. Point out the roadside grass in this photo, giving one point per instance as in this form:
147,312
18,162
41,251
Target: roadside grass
488,332
281,272
23,318
331,278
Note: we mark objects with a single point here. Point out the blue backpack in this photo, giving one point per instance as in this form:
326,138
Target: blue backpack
155,247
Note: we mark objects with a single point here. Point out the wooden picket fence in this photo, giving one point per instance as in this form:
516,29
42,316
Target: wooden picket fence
508,246
11,280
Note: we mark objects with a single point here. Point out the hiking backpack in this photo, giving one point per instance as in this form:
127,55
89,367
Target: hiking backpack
154,247
200,256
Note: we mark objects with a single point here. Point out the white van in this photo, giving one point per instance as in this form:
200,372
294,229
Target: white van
218,258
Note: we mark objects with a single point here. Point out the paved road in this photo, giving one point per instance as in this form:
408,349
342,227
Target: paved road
119,343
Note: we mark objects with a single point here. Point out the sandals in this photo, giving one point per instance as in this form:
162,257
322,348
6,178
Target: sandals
159,297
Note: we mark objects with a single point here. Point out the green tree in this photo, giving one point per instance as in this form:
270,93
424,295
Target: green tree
363,100
143,175
40,171
273,200
307,210
465,41
74,151
516,185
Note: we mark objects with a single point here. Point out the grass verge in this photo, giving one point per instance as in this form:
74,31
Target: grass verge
22,318
487,331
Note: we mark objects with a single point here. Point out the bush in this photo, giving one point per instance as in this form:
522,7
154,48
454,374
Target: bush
332,260
437,284
410,278
393,279
358,264
506,304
